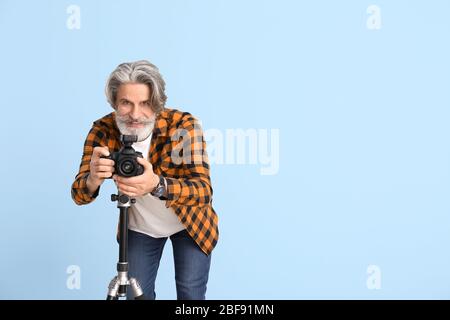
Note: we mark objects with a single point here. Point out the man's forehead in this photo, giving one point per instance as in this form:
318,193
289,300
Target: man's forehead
134,88
132,98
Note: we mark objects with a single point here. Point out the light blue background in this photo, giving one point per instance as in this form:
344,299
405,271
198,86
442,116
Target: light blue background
364,154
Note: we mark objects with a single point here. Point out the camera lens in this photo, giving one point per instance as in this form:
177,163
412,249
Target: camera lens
127,167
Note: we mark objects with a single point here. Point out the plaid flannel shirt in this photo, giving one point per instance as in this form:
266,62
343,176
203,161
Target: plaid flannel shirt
184,164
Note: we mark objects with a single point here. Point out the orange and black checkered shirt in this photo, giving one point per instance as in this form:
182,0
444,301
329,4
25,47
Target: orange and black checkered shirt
189,190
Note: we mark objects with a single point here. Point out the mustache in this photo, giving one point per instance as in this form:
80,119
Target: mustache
129,120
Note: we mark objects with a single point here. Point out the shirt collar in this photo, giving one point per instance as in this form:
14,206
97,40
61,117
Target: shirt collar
161,124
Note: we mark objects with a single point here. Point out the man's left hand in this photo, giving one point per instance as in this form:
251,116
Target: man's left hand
138,185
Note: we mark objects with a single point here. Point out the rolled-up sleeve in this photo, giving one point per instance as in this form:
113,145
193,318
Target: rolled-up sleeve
80,192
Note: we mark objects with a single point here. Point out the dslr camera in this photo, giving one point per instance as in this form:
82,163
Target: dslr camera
125,160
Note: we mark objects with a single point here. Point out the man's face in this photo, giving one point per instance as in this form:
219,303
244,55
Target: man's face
134,115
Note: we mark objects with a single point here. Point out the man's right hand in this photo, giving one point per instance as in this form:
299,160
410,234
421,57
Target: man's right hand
100,168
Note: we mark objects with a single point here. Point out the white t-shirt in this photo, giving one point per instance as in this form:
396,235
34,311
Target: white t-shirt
149,214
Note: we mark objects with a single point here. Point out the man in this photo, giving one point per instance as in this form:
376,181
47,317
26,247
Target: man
173,195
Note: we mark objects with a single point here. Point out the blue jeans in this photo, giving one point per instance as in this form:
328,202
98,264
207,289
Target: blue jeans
191,264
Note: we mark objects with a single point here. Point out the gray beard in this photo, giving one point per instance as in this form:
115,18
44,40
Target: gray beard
141,133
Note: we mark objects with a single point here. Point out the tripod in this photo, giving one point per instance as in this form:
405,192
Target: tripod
118,285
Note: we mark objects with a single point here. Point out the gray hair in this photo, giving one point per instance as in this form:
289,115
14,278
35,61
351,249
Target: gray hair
140,71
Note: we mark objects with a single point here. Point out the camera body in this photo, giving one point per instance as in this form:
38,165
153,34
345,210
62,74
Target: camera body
125,160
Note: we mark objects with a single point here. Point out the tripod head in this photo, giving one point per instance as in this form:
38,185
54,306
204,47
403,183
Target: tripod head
123,201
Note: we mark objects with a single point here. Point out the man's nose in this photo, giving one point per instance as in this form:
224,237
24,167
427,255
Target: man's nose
135,112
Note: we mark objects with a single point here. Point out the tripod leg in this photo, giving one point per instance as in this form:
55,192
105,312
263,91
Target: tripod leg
113,289
137,290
